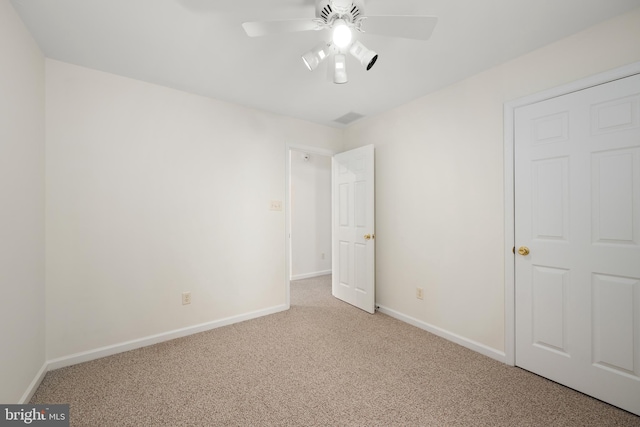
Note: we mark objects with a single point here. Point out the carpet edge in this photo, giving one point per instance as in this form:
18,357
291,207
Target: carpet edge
101,352
450,336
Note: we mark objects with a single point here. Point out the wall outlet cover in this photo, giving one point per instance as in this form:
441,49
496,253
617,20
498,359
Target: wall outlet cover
186,298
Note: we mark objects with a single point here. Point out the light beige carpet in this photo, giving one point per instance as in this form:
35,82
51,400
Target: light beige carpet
322,363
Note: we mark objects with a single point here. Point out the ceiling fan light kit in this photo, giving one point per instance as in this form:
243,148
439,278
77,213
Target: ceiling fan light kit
343,18
340,68
366,57
342,36
315,56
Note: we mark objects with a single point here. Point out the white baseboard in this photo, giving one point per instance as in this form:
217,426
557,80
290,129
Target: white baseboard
98,353
310,275
26,397
465,342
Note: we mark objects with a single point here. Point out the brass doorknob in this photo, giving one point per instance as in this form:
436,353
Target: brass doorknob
524,251
367,237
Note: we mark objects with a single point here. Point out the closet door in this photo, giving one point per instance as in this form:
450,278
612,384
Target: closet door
577,212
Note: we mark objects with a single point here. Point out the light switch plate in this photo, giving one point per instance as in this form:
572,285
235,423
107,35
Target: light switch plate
276,205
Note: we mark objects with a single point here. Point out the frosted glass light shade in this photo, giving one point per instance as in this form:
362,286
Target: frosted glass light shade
340,69
341,34
315,56
366,57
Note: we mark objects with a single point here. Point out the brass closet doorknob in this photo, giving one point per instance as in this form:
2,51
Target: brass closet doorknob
368,236
524,251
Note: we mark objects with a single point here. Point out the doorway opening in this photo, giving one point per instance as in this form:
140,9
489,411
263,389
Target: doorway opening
308,208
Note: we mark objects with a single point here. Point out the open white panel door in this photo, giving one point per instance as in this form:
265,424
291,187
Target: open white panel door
353,228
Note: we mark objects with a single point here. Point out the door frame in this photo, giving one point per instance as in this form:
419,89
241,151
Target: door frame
287,204
509,187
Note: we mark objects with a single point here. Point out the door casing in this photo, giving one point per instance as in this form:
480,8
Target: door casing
509,195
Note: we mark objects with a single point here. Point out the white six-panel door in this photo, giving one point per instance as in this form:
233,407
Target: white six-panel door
577,197
353,228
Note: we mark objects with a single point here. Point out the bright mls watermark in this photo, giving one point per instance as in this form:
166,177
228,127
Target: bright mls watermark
34,415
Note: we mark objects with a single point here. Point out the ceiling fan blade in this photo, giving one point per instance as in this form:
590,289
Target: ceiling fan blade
265,28
403,26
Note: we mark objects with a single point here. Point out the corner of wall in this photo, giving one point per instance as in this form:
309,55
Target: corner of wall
22,198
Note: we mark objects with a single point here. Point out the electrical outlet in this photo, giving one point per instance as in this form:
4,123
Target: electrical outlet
419,293
186,298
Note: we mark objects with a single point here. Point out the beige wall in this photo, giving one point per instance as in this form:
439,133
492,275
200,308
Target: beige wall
152,192
22,322
439,177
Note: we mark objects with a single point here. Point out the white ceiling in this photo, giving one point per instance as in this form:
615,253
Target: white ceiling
199,46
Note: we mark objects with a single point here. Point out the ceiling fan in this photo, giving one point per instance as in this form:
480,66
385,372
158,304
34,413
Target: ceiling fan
342,18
